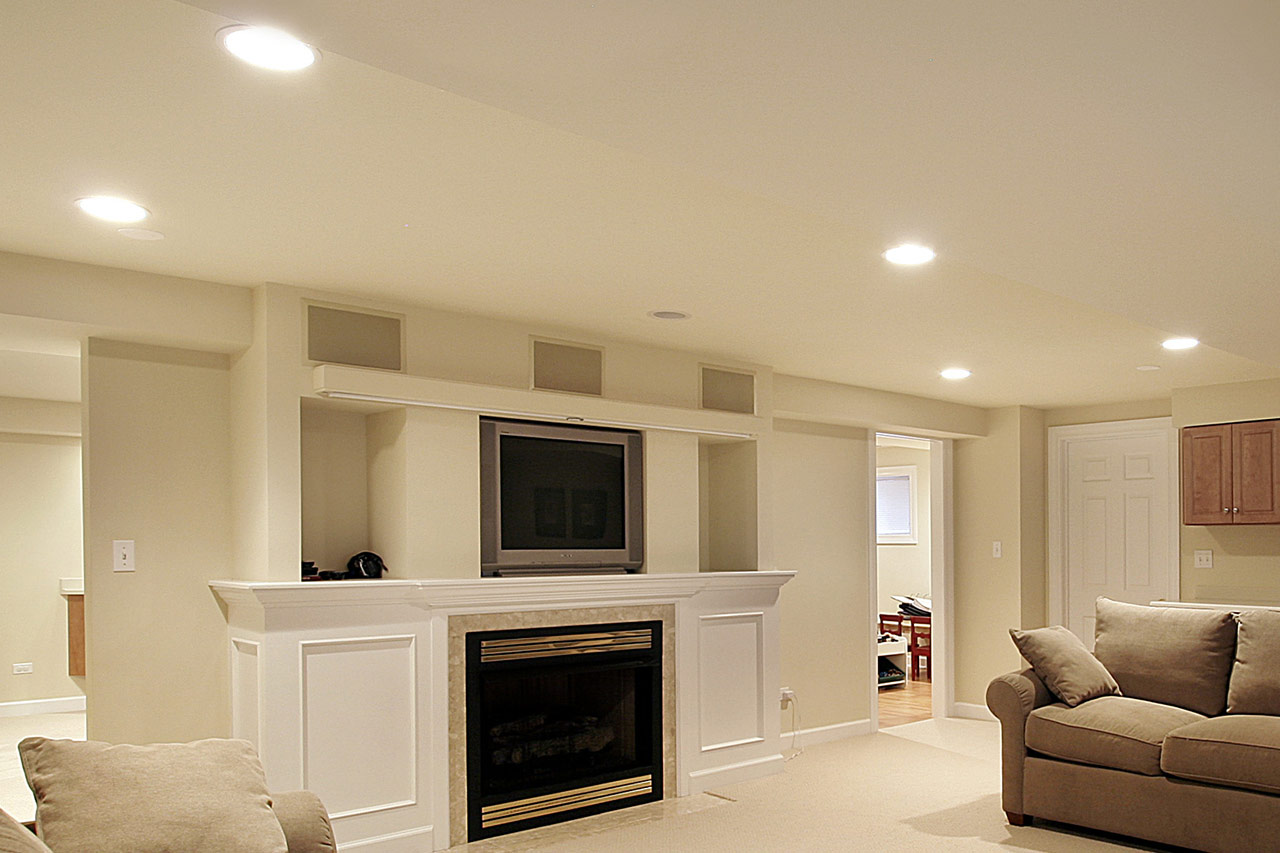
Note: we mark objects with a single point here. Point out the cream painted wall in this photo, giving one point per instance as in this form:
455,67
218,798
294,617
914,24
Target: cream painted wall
731,498
821,480
1128,411
157,451
905,569
335,487
999,496
41,539
672,531
1246,557
814,400
39,417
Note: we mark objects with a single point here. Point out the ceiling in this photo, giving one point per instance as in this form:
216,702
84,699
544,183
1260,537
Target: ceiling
1095,177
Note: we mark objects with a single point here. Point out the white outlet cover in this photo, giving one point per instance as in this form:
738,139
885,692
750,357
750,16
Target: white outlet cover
1204,559
995,549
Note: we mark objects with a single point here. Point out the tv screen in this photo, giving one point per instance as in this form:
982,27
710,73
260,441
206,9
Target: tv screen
561,494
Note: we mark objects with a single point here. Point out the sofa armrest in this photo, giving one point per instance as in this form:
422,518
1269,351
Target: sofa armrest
1012,697
305,822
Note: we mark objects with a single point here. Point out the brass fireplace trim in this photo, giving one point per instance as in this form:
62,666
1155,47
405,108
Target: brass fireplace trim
563,801
526,648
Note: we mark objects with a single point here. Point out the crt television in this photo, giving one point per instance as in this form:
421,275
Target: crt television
560,499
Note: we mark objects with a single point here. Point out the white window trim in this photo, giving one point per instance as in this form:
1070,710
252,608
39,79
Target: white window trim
912,538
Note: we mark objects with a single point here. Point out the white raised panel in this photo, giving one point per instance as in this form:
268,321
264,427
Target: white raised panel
1137,541
246,713
1094,540
730,679
359,737
1138,466
1096,469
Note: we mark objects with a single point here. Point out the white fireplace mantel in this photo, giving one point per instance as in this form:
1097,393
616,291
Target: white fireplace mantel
344,686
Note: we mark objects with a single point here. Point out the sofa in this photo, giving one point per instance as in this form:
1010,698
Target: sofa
1169,732
206,796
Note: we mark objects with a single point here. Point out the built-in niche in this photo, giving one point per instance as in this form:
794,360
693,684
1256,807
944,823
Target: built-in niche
727,505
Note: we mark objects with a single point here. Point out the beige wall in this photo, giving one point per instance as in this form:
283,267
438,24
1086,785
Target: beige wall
1246,557
1128,411
999,496
906,569
335,487
822,483
41,539
157,456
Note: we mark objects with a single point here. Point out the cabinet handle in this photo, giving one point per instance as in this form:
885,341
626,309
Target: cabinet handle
1226,509
1235,509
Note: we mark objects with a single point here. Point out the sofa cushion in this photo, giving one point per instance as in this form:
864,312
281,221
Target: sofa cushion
16,838
210,796
1171,655
1242,751
1255,678
1110,731
1064,664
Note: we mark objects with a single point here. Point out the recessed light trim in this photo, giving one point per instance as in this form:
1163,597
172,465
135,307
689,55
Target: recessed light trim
267,47
140,233
1180,343
112,209
955,373
669,315
909,254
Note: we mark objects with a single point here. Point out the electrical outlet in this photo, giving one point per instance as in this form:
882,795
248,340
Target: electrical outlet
788,696
1204,559
995,549
23,668
122,555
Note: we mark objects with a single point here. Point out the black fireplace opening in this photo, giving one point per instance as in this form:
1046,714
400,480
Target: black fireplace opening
561,723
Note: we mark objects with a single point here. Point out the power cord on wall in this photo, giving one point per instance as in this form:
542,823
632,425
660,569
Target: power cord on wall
795,728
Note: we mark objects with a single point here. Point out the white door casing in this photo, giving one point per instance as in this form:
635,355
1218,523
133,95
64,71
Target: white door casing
1113,517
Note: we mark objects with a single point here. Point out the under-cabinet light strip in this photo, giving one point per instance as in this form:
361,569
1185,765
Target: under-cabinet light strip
401,401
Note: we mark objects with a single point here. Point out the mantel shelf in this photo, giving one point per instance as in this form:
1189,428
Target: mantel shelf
377,386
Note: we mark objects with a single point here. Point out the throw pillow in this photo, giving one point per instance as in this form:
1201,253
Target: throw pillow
16,838
1173,655
1255,678
209,796
1064,664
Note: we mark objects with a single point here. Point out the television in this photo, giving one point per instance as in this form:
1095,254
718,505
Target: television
558,499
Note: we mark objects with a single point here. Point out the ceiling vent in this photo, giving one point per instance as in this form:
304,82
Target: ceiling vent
562,366
728,390
358,338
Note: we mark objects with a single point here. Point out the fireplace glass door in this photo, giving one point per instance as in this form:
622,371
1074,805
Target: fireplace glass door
561,722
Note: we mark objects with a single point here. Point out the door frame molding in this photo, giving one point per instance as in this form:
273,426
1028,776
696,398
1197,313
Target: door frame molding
1059,439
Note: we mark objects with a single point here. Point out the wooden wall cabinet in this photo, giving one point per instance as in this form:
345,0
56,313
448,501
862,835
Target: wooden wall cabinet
1231,473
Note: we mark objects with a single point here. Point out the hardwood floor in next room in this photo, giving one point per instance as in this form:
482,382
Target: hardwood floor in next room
908,703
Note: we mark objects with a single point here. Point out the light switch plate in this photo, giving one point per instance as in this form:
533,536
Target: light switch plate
995,549
122,557
1204,559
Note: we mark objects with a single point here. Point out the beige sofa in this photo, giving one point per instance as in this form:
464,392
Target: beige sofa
1188,754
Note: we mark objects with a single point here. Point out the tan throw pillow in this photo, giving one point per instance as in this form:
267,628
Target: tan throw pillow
16,838
1255,678
1173,655
1064,664
208,796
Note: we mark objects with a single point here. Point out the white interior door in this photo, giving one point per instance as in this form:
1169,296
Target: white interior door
1116,508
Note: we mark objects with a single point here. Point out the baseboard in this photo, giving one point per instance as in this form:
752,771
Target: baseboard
729,774
970,711
822,734
406,841
42,706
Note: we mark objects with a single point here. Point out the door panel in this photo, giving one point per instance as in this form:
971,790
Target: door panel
1117,523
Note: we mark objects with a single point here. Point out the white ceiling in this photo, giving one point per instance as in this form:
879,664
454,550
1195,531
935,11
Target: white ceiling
1094,176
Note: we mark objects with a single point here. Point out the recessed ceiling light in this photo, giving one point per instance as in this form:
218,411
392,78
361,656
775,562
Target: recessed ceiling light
955,373
1148,367
112,209
909,254
1180,343
668,315
140,233
267,48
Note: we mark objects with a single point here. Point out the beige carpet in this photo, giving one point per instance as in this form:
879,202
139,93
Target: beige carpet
926,786
15,796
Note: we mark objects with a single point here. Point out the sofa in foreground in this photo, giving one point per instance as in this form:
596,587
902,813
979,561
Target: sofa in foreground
1168,732
207,796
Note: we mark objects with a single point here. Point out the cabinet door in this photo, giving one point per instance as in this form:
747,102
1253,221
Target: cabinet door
1255,448
1206,475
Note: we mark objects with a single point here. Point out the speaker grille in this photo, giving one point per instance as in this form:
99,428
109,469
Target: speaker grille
337,336
568,367
728,390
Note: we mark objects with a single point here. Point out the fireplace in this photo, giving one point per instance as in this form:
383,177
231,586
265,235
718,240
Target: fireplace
562,722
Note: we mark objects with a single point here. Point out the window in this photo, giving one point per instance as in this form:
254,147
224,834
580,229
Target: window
896,505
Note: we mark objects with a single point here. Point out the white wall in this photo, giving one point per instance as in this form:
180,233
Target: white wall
40,537
905,569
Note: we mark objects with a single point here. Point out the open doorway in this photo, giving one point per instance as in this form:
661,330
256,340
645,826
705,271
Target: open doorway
910,559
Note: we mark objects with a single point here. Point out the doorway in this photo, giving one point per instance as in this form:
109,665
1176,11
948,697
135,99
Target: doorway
910,495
